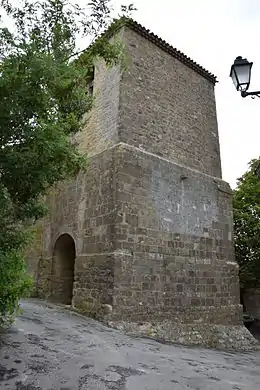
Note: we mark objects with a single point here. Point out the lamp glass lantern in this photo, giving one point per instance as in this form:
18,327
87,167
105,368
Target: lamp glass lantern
241,73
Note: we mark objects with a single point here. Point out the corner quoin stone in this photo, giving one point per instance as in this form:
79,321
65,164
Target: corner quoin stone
152,218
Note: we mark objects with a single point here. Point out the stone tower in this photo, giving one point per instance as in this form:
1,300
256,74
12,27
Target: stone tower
147,231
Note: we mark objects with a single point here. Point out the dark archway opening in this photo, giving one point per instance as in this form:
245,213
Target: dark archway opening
63,264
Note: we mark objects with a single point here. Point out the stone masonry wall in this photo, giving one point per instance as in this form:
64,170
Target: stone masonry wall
100,131
95,268
70,207
174,251
151,218
167,108
84,209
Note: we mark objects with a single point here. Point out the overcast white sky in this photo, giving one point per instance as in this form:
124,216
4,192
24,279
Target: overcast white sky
213,33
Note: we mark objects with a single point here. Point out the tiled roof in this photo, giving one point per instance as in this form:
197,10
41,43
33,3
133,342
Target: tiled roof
132,24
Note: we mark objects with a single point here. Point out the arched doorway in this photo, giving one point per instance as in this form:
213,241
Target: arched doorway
63,263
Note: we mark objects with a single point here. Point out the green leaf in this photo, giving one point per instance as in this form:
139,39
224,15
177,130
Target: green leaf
42,99
246,205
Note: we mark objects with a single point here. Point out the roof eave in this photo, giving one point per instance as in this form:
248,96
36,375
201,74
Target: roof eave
135,26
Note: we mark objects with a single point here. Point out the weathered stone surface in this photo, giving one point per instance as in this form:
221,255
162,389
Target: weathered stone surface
223,337
100,131
167,108
151,219
83,209
173,242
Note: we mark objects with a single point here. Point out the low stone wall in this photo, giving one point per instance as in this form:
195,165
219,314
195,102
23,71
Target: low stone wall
223,337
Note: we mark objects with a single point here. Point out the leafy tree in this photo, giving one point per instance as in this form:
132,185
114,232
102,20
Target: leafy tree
42,99
246,206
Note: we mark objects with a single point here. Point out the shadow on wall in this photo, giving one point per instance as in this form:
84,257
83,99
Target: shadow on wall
250,299
62,273
254,328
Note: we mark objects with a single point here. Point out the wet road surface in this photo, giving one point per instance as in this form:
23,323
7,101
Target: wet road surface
50,348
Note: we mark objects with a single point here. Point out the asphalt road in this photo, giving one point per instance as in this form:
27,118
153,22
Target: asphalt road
50,348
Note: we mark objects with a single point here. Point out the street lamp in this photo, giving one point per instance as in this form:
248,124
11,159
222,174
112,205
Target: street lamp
241,75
